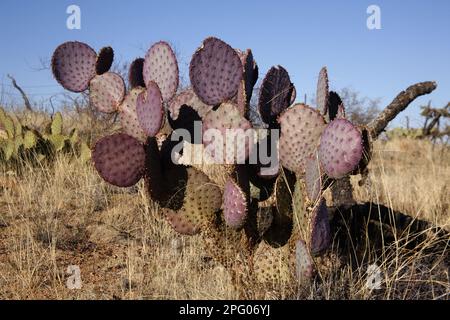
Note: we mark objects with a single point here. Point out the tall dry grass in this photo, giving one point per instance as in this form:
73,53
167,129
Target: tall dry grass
64,214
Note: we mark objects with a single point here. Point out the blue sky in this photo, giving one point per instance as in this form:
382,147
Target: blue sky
412,46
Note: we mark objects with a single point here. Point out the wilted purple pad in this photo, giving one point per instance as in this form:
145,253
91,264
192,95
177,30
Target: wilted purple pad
301,127
275,93
234,205
340,148
149,109
322,91
215,71
119,159
320,226
313,178
107,92
104,60
73,65
161,66
135,73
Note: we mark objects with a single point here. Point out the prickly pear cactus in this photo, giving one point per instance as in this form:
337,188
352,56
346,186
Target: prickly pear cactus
19,142
276,223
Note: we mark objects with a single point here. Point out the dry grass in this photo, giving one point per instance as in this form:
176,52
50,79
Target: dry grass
53,217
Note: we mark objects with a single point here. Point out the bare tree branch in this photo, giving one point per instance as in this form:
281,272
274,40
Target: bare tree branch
401,101
24,95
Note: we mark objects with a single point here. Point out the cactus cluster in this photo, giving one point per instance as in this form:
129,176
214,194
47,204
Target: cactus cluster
19,142
274,224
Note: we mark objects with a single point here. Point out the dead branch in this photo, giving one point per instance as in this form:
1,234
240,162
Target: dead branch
401,101
24,95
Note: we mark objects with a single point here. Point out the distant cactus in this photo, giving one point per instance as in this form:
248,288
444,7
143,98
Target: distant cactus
21,143
273,225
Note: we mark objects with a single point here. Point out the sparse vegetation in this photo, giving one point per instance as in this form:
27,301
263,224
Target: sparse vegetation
309,230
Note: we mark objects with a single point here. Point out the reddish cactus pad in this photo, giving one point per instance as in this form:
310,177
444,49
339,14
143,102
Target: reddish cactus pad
107,92
322,91
128,115
340,148
234,205
320,226
215,71
149,109
73,65
119,159
301,127
161,66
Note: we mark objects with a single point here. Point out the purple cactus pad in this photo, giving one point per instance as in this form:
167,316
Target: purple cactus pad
340,148
234,205
73,65
119,159
161,66
149,109
107,92
215,71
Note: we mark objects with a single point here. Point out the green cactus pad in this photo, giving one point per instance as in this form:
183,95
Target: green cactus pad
8,149
29,139
304,265
189,98
107,92
340,148
322,91
104,60
228,121
320,228
119,159
272,266
275,94
161,66
73,65
128,115
56,125
313,178
201,201
220,242
302,216
215,71
8,125
58,141
135,73
235,205
149,109
264,218
301,127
